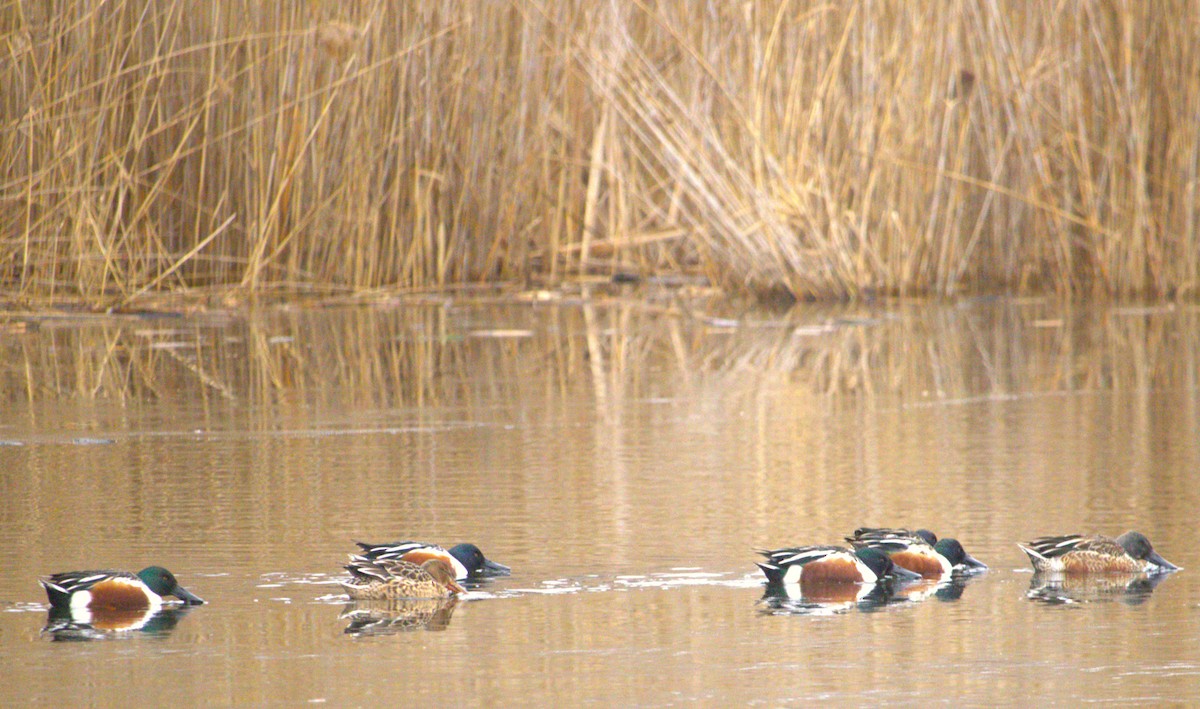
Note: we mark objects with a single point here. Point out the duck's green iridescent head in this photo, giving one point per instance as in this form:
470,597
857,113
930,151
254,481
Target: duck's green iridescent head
882,565
163,583
954,552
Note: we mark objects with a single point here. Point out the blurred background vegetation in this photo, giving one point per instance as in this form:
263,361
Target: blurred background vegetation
814,149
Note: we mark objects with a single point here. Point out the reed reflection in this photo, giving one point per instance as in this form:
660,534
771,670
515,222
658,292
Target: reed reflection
420,354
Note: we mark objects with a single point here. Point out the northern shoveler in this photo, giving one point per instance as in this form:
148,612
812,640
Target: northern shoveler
920,551
388,579
1078,554
466,559
115,590
829,564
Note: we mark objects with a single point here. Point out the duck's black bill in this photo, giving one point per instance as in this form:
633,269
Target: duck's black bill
492,568
187,596
973,563
1162,563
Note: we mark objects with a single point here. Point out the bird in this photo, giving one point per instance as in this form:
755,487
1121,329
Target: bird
466,559
920,551
1079,554
115,590
829,564
387,579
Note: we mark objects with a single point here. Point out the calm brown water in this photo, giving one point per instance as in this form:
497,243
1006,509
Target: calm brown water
624,460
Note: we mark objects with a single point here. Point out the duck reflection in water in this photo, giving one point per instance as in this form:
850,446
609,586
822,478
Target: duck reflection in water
826,599
1062,589
64,624
947,589
398,616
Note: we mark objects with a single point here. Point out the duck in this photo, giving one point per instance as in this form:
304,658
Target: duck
1095,554
466,559
920,551
115,590
389,579
829,564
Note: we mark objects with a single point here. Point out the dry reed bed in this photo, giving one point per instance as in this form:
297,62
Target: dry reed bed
822,149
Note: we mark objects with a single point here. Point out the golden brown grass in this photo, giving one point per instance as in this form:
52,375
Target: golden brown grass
823,149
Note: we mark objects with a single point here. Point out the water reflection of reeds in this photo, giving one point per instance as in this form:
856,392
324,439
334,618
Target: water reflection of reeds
951,372
608,350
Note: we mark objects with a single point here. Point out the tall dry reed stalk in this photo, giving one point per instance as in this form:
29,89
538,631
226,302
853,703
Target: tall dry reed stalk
823,149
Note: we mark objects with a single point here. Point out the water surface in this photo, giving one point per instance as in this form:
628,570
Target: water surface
624,457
